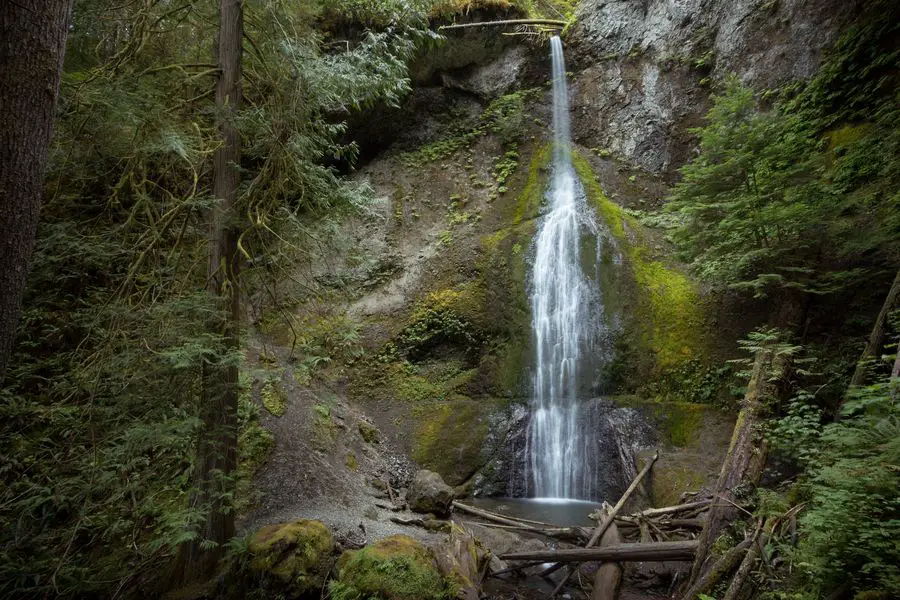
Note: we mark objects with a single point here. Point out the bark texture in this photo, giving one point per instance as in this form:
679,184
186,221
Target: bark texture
32,46
217,447
744,461
747,453
608,578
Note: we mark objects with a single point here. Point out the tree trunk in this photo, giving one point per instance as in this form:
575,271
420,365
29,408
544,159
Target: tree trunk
747,453
217,447
876,339
744,461
32,46
608,578
722,567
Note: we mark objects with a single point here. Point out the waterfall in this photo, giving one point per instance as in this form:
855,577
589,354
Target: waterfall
565,317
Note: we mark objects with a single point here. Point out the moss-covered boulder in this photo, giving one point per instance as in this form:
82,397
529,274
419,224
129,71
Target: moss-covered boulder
395,568
293,558
428,493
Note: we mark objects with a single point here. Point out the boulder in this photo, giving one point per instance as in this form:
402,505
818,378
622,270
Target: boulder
428,493
394,568
292,558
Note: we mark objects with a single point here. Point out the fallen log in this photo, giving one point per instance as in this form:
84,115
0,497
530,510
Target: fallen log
760,539
503,520
508,22
527,565
572,534
604,524
669,510
658,551
628,522
722,567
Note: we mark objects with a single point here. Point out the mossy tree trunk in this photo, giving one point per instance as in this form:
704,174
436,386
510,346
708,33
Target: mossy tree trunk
32,45
217,447
748,450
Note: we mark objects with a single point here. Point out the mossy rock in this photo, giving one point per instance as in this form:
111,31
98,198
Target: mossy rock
369,433
293,558
394,568
694,439
666,313
449,437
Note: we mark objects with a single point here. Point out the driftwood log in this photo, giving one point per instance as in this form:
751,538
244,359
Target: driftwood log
507,23
668,510
503,519
657,551
608,578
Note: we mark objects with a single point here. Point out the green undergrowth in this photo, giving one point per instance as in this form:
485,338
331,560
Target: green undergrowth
274,397
394,568
255,444
668,314
503,117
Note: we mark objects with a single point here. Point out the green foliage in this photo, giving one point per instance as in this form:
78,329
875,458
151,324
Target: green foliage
273,396
99,408
802,195
505,166
694,381
797,434
854,482
395,568
504,117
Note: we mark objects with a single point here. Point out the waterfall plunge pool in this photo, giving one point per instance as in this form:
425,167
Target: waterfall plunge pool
564,512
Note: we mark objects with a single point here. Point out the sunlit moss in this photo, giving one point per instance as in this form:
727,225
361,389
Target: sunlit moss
669,311
449,437
394,568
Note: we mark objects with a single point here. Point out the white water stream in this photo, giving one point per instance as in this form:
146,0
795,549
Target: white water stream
564,310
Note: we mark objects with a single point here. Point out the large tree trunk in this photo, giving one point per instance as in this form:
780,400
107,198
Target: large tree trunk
217,448
32,45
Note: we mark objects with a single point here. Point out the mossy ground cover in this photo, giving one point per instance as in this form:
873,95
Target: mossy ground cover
394,568
296,555
668,312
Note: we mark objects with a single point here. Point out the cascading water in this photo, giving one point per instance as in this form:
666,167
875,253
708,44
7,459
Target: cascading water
565,317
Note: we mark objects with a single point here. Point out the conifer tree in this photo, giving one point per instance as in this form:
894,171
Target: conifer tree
32,45
217,448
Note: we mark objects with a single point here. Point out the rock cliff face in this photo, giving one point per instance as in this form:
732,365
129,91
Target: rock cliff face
643,66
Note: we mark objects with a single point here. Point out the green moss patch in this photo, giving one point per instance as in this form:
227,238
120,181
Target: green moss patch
668,312
274,398
369,433
395,568
296,555
694,439
449,437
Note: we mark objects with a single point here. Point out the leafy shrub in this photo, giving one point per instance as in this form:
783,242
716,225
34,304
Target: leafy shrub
853,523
